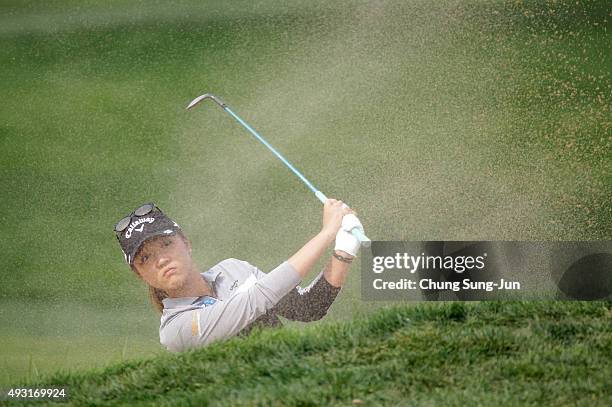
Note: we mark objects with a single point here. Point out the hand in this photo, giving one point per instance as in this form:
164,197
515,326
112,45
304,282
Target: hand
345,241
333,212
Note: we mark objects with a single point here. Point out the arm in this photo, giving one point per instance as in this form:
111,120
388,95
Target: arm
226,318
307,256
312,302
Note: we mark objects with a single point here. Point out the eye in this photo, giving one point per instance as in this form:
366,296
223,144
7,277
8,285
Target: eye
167,242
144,258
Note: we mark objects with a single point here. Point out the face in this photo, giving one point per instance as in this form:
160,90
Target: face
165,262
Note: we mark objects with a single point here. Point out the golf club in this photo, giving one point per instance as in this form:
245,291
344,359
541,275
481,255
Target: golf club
365,241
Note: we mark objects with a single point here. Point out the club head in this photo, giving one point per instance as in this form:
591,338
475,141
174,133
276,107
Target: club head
204,97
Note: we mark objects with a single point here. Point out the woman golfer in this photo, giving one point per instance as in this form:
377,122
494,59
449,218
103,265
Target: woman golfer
233,296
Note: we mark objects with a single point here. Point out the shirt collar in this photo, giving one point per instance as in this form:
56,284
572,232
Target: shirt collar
209,275
212,274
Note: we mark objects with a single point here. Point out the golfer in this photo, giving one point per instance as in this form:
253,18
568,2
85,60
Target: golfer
233,296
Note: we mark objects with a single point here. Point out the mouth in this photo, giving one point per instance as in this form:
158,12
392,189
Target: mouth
168,272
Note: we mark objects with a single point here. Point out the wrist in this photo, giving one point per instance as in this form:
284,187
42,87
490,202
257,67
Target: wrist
344,254
343,257
328,235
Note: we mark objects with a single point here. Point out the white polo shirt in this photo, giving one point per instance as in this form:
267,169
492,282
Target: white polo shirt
246,297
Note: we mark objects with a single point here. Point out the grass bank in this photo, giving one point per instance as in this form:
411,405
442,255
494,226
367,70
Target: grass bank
517,353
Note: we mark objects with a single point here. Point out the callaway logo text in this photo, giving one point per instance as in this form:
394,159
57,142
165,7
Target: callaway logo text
137,222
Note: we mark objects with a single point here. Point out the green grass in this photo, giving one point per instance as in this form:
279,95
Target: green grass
447,120
514,353
29,357
55,335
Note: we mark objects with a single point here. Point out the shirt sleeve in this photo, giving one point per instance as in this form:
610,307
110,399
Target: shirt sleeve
307,304
226,318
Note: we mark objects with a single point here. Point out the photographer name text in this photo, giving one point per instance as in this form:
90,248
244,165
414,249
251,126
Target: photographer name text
429,284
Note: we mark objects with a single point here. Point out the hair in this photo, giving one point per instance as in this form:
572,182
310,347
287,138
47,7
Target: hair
156,295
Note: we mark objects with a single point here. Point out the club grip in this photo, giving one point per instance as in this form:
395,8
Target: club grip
365,241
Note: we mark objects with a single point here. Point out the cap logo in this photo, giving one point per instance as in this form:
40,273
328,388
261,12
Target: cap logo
137,222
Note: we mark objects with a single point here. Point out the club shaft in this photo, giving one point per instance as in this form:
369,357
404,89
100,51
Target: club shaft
276,153
365,241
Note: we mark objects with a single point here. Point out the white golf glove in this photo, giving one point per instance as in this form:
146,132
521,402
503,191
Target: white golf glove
345,240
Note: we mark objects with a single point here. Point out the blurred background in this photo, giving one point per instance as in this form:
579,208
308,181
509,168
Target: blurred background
457,120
